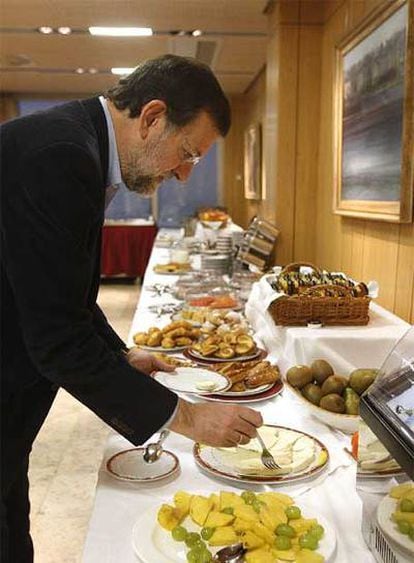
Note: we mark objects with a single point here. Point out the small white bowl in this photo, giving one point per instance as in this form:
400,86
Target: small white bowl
348,423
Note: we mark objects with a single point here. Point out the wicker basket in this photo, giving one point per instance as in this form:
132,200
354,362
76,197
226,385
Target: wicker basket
339,308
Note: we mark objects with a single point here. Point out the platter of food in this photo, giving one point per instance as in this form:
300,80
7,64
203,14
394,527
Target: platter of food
218,302
299,456
172,350
174,337
248,378
264,395
194,380
194,527
374,460
196,356
395,515
332,398
172,268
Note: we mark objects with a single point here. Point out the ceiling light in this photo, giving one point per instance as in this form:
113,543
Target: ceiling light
121,31
45,29
122,70
80,70
64,30
197,33
93,70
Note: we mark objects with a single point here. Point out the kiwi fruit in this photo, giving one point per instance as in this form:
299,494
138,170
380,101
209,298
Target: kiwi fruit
361,379
334,384
321,370
312,393
333,402
299,376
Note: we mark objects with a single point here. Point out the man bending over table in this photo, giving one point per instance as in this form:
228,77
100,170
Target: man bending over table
59,168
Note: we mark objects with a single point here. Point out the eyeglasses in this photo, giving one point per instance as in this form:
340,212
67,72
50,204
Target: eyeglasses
190,156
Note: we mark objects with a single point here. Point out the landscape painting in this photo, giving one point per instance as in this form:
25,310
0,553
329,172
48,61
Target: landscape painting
373,123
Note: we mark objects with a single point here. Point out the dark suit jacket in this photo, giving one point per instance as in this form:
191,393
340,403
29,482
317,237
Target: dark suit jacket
53,172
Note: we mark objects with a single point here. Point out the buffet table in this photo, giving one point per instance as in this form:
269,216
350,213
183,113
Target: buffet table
126,247
332,494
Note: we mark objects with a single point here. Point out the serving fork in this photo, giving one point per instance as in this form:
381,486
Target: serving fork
267,459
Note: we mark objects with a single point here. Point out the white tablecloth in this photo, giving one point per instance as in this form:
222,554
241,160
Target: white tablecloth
333,494
346,348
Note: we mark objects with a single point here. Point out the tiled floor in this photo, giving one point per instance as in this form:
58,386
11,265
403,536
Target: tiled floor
67,455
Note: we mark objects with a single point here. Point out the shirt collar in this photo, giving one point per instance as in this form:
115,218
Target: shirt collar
114,177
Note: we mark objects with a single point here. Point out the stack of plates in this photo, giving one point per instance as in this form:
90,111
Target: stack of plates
237,238
219,263
224,243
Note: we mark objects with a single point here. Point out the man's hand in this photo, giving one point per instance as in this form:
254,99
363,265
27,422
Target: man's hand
216,425
146,362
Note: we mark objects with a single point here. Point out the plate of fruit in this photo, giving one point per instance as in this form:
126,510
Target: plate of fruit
395,516
267,526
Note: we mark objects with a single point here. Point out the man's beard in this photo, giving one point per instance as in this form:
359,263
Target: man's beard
138,167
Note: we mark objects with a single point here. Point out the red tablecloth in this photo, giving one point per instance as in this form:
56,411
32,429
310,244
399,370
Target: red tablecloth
126,249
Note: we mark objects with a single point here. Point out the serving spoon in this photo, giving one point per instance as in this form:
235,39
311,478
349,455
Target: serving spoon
231,554
154,450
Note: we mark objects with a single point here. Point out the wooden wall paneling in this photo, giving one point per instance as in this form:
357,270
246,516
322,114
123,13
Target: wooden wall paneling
346,252
404,294
8,107
233,164
288,38
358,248
329,230
380,259
307,140
270,129
411,319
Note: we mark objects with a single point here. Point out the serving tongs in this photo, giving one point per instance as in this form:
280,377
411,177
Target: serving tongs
158,289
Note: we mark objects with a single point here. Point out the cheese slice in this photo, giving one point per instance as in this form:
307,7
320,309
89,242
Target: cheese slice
292,451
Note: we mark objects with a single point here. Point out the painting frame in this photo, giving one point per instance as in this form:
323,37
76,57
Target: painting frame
357,133
253,161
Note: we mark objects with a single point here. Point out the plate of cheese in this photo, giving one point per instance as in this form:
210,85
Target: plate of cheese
299,456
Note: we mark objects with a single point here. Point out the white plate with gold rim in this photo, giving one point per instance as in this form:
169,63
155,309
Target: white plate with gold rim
153,544
195,380
243,465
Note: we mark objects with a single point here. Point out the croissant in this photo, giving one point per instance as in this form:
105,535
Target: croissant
268,375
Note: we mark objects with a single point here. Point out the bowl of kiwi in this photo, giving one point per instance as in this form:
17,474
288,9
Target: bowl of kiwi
333,399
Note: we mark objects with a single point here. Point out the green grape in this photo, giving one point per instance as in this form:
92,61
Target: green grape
205,556
192,556
308,542
179,533
293,512
228,510
248,497
404,527
282,542
206,533
316,531
192,538
257,504
407,505
201,553
411,533
285,530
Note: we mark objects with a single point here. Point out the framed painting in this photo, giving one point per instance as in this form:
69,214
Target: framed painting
374,121
253,162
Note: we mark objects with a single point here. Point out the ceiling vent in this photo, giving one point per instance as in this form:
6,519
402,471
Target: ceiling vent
203,50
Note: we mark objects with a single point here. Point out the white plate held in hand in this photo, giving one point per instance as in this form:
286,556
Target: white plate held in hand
193,380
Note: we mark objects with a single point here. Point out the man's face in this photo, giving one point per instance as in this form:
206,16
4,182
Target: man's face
166,152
